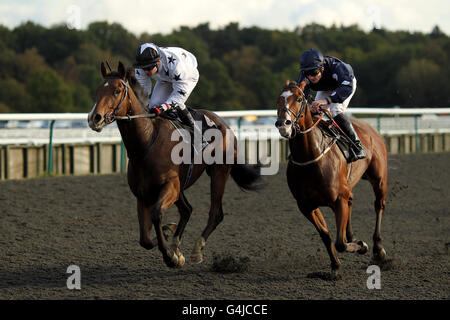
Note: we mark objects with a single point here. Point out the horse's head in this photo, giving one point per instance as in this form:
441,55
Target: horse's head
291,108
112,98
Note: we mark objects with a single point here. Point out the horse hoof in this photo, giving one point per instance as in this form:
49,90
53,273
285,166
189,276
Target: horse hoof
334,275
380,256
364,247
196,258
171,262
181,261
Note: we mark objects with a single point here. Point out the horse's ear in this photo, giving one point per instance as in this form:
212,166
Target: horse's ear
105,72
302,85
286,83
121,70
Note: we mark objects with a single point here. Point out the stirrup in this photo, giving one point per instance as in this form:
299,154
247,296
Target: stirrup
361,155
357,154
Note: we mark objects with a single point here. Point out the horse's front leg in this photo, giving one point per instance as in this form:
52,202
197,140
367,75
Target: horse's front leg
350,237
360,246
145,226
185,210
167,196
317,219
341,210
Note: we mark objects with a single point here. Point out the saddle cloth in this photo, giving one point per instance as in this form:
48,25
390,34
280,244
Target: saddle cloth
329,129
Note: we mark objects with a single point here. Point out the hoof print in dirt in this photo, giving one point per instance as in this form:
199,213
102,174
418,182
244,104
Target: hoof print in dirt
323,276
227,263
388,264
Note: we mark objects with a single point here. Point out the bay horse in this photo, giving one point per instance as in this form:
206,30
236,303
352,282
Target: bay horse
319,175
154,179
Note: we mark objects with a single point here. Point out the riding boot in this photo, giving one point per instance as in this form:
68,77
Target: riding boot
188,119
356,145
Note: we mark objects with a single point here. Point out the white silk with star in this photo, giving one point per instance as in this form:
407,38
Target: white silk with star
177,77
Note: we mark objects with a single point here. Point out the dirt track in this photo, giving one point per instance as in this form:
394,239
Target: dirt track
48,224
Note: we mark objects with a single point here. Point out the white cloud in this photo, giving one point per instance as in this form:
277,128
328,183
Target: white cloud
163,16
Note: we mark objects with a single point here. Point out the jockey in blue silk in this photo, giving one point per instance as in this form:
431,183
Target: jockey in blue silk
335,84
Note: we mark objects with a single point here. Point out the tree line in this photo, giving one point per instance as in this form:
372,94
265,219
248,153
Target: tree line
56,69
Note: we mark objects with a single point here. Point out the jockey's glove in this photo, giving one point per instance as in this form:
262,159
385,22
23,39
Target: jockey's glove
158,110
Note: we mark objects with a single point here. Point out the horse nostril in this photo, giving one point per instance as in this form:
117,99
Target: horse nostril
288,122
97,118
278,123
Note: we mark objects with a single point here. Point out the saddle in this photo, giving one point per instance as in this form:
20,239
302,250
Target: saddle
172,115
329,129
206,123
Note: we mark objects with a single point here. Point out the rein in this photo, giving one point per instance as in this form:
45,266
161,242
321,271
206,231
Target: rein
128,117
310,128
113,115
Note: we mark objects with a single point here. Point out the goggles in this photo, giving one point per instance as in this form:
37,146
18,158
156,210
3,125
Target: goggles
313,72
150,67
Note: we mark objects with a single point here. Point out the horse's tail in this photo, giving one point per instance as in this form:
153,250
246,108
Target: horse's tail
247,176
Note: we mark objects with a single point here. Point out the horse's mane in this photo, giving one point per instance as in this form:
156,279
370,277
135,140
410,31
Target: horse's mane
136,86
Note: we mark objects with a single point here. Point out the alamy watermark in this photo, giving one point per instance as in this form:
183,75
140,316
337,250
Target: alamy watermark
73,20
374,280
222,149
74,280
373,17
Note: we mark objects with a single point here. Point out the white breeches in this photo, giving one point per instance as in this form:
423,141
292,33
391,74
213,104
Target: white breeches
336,108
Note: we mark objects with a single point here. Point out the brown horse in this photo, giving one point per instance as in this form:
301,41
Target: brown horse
154,179
319,175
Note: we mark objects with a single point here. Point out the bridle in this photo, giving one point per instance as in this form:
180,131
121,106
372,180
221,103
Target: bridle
111,116
304,104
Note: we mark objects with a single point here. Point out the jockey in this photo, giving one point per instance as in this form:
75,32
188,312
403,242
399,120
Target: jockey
176,75
335,84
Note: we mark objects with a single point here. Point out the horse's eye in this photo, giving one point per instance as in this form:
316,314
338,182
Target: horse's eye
117,91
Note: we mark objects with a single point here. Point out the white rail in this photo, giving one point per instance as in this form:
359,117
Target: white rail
418,126
385,125
231,114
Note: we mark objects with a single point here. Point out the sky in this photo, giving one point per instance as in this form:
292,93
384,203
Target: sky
163,16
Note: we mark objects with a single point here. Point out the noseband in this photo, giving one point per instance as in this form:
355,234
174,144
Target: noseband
111,116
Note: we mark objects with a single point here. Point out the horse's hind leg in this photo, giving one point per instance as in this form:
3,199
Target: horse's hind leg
380,189
219,176
185,210
317,219
377,175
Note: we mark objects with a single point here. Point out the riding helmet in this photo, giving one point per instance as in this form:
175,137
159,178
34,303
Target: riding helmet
311,59
147,55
